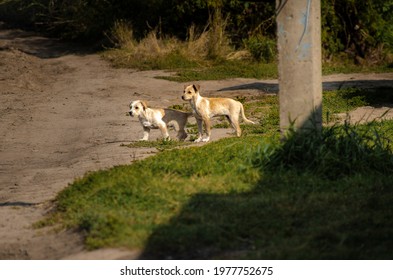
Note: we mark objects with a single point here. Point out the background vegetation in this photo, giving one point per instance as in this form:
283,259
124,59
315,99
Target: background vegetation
359,30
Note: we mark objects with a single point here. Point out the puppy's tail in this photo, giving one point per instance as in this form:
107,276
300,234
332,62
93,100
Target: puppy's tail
244,116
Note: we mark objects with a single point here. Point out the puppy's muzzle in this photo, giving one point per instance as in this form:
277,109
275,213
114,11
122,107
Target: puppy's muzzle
131,113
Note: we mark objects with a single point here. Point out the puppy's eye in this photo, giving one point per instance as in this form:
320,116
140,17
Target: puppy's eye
137,107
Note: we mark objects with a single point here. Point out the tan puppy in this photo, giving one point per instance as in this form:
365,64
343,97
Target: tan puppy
206,108
159,118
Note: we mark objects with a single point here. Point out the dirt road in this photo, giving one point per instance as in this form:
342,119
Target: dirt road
63,113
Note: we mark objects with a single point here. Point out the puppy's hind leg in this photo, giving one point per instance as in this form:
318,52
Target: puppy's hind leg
164,130
181,132
206,121
182,135
234,119
200,130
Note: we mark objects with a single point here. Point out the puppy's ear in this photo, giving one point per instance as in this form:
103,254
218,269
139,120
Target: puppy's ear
196,87
144,105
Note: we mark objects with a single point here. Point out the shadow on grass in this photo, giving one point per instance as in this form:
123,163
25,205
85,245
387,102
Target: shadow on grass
334,208
285,217
376,97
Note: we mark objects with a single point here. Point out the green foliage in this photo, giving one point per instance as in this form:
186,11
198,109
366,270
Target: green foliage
360,29
363,28
261,48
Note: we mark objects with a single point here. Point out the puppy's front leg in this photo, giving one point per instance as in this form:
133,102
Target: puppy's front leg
200,130
146,131
206,120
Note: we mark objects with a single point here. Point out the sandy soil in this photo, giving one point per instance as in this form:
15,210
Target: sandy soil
63,113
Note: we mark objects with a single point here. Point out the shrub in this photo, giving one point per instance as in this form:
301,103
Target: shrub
261,48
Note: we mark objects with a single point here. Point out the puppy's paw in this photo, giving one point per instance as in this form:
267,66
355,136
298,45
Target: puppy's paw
206,139
199,139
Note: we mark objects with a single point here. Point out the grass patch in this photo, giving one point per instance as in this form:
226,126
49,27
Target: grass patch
346,100
145,194
214,201
348,68
121,58
225,70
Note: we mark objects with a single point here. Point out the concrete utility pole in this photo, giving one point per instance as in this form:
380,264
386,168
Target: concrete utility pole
299,67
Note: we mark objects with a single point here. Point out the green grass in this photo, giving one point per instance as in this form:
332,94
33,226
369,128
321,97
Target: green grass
256,70
145,194
225,70
348,68
120,58
324,195
197,69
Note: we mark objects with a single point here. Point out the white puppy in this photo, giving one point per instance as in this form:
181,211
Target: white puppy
206,108
159,118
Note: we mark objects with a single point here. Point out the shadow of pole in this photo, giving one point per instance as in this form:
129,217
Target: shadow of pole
315,207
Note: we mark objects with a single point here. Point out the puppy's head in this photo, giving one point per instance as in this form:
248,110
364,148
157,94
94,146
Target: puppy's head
190,91
137,108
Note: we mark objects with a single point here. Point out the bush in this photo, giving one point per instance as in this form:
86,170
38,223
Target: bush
261,48
361,28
